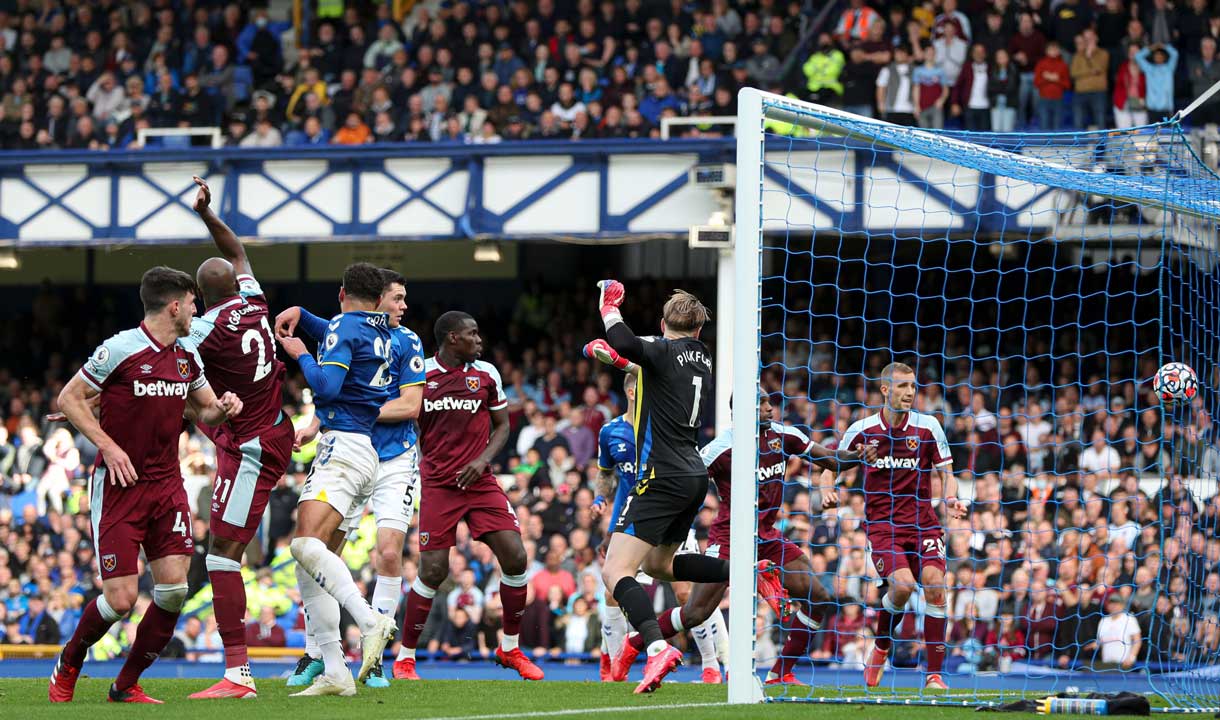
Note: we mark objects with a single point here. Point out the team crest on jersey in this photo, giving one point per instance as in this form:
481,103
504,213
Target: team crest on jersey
472,384
424,537
912,444
109,562
184,368
775,444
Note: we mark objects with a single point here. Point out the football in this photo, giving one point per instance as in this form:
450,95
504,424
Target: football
1175,381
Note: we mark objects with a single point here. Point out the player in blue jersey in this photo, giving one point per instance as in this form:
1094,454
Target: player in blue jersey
396,487
351,381
616,456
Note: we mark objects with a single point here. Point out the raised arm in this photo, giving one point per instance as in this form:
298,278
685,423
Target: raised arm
226,241
325,380
619,336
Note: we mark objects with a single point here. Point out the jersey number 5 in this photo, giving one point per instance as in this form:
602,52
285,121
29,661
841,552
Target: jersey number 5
254,339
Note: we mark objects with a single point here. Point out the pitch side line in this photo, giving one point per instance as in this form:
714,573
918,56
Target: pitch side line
587,711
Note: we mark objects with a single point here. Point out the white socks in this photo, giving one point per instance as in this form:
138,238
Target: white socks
614,629
322,622
329,571
657,647
705,640
387,595
508,643
721,637
240,675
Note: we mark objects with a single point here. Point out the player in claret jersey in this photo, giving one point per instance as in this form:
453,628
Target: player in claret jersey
463,425
350,380
234,339
147,379
904,534
776,444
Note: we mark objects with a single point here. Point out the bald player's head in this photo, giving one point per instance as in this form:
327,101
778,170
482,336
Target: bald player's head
216,280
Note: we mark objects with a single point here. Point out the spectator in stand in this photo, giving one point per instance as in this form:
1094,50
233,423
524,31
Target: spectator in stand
856,22
264,135
822,71
1204,72
1003,89
970,98
1158,63
930,92
866,59
1027,47
951,52
895,91
1090,72
265,632
1118,636
217,78
1052,79
1100,458
950,15
656,102
353,132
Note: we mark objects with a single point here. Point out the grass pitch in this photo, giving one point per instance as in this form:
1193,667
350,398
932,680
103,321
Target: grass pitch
441,699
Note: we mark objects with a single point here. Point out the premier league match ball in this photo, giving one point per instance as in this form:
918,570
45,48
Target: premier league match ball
1175,382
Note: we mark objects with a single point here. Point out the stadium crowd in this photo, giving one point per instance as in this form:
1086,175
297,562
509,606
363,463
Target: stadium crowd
1059,562
77,75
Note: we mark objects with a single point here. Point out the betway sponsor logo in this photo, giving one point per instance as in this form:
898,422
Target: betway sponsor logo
892,463
159,388
445,404
766,473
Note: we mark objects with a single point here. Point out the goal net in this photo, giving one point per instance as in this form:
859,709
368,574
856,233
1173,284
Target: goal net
1034,282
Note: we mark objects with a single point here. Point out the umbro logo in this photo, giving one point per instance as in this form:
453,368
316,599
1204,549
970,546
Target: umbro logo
146,368
432,385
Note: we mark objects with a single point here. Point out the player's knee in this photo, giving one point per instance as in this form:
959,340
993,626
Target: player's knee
513,561
935,596
170,597
900,593
302,547
433,574
389,561
658,567
121,601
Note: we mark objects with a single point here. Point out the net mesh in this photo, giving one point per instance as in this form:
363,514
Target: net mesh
1035,283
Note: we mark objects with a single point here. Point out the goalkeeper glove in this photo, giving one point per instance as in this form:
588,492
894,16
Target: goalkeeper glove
601,350
612,296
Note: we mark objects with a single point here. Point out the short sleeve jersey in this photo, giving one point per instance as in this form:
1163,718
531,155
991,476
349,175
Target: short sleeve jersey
360,342
407,370
673,385
235,342
776,443
144,387
455,420
898,486
616,451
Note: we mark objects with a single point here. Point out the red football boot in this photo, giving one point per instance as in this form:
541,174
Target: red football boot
226,688
788,679
712,676
405,669
771,588
133,694
626,657
63,681
657,667
516,660
605,668
875,666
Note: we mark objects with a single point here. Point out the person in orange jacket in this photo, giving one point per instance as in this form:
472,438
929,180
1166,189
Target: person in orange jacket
1052,79
353,132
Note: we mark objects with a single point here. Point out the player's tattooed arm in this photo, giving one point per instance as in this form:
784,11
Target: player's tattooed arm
607,482
75,400
404,407
212,410
499,436
226,240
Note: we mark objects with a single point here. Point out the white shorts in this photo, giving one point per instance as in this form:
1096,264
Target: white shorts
395,493
343,471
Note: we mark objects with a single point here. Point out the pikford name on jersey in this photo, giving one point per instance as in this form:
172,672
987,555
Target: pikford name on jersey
159,388
694,356
451,403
